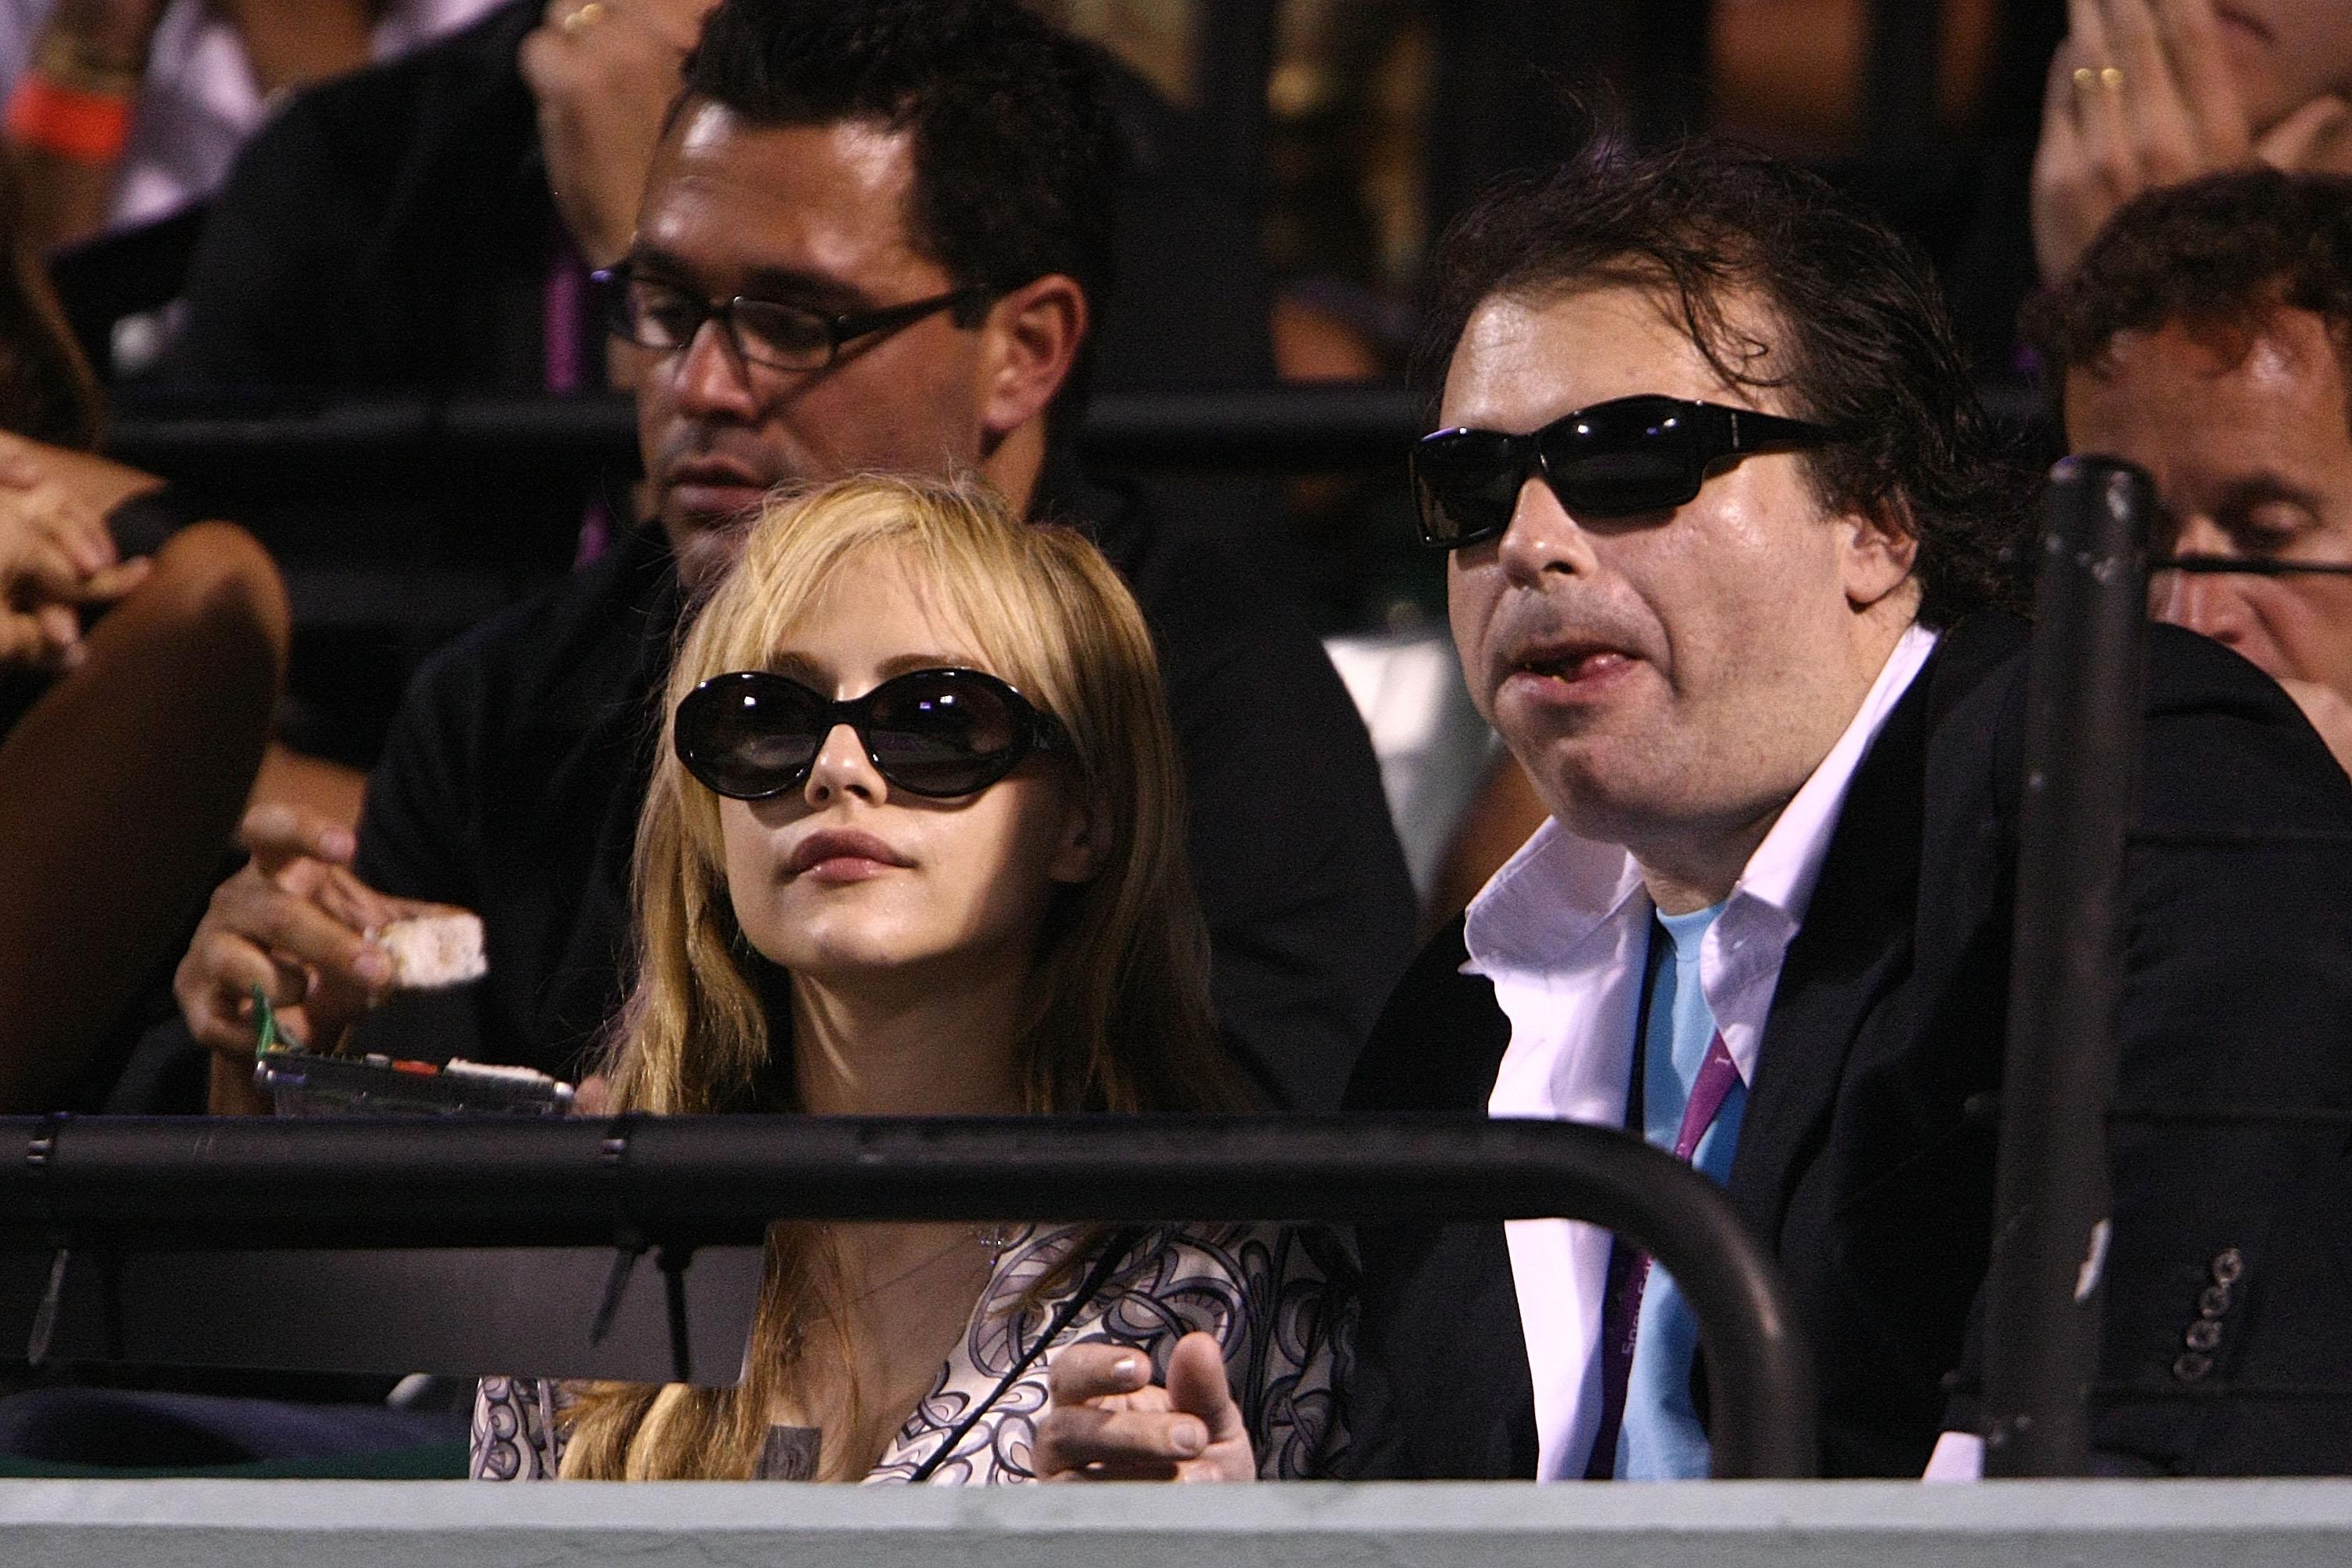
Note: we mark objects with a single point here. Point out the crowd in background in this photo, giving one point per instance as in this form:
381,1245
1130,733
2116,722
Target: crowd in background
860,269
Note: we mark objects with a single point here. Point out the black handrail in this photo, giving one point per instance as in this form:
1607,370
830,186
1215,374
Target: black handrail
2052,1197
271,447
175,1184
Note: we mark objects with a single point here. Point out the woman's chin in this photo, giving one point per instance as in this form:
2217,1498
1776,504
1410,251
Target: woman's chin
835,949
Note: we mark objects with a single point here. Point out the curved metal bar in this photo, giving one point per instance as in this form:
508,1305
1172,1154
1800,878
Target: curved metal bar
192,1184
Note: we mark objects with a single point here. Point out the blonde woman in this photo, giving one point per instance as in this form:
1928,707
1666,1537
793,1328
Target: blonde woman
916,848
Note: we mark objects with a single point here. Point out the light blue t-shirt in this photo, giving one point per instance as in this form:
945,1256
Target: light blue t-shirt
1662,1437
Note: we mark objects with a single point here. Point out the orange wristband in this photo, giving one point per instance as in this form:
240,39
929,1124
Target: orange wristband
90,127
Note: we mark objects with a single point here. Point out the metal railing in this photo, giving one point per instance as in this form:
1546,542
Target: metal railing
184,1184
2050,1206
271,447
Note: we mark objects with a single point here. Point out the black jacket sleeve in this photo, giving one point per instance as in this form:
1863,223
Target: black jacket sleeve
2228,1299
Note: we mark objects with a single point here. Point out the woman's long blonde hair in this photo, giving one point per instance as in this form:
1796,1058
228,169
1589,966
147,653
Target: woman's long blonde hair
1120,1016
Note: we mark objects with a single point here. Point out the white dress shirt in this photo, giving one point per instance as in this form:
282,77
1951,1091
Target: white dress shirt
1562,930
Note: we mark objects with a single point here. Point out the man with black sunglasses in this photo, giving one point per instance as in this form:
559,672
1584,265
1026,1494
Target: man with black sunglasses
876,237
1724,528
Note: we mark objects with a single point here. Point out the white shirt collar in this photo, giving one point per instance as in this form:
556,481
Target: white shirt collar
1560,894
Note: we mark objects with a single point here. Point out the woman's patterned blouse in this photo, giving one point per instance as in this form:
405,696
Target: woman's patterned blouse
1280,1299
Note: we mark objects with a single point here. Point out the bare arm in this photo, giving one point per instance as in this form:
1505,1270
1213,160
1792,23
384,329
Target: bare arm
96,51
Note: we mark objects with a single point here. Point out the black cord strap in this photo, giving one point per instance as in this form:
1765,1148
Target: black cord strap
1097,1278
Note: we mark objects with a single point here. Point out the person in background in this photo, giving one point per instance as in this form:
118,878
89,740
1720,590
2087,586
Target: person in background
129,743
2204,335
123,111
2145,93
431,223
874,238
915,848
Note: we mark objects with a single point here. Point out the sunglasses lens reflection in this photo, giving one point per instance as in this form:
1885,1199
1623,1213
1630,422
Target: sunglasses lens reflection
1467,484
749,740
937,735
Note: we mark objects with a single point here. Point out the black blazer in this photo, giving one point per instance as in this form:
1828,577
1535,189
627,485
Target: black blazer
1861,1162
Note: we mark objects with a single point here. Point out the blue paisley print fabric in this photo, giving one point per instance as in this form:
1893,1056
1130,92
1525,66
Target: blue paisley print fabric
1280,1299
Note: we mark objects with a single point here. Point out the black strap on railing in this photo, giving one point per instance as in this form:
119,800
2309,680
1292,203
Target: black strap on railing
2082,718
180,1184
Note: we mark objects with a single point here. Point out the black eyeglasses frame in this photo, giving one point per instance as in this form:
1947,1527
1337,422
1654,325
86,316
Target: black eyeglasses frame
1710,433
840,329
1034,730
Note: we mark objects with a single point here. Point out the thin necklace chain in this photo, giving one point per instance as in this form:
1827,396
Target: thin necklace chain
994,1238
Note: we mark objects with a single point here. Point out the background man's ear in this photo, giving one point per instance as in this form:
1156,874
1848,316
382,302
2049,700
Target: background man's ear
1876,554
1030,345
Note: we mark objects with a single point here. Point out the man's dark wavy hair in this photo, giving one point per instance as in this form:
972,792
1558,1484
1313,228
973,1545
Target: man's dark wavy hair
2220,252
1014,137
1862,341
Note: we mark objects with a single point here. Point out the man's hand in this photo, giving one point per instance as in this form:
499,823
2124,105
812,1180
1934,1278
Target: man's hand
294,922
605,72
1109,1422
2141,95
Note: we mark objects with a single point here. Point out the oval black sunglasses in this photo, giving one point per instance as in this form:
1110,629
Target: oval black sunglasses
940,733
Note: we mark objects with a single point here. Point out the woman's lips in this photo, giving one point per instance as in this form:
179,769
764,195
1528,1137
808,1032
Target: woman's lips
834,857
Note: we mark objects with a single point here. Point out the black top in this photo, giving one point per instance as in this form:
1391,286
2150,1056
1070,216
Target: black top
518,764
1861,1162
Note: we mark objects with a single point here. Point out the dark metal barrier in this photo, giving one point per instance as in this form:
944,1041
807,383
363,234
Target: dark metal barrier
2082,767
131,1183
276,450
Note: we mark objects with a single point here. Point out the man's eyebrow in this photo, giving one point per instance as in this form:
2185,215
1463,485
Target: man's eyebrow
797,286
2252,489
2238,496
792,285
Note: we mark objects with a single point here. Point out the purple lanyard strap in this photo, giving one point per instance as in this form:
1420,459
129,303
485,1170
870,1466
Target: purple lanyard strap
1629,1266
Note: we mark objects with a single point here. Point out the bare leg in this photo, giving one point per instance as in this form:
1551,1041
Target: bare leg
120,789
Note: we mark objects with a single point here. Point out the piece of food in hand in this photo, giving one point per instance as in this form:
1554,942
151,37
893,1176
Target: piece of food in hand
432,950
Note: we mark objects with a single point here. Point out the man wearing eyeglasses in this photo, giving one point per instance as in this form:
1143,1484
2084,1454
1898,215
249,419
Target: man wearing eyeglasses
1724,529
2203,337
875,238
